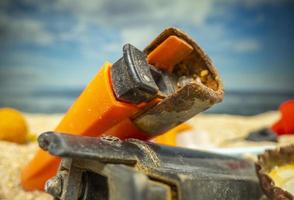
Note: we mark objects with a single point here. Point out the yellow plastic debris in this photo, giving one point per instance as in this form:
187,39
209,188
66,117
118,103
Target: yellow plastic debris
283,177
204,73
31,137
13,126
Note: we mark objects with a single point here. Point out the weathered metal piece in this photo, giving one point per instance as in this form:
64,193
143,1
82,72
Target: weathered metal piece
108,168
275,161
198,87
191,87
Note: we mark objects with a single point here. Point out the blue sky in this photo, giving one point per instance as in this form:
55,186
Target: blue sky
62,44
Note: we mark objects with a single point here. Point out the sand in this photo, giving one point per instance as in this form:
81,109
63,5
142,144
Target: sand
218,131
228,130
13,157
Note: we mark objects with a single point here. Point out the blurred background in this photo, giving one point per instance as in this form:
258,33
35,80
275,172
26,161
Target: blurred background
50,50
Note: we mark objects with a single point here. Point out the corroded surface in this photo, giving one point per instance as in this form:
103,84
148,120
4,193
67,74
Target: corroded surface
201,89
266,162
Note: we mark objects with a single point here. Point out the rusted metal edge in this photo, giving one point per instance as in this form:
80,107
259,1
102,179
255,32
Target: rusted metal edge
189,99
266,162
218,94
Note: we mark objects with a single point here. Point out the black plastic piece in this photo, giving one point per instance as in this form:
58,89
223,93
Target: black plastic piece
264,134
164,81
131,77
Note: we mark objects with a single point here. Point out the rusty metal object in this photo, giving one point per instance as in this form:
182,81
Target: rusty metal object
193,85
108,168
273,160
198,87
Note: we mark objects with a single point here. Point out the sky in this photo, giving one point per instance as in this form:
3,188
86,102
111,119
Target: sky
62,44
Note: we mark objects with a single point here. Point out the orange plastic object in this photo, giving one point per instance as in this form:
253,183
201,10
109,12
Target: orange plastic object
286,124
164,56
95,111
126,129
169,53
170,137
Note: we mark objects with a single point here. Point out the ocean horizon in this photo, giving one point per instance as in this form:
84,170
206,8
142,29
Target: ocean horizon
59,100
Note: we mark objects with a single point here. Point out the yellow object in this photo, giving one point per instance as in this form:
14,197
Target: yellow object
13,126
170,137
283,177
31,137
204,73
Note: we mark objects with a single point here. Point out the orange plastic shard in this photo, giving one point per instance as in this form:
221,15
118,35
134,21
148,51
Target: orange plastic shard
169,53
170,137
286,124
95,111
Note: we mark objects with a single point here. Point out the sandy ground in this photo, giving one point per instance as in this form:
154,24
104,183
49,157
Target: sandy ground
13,157
228,130
213,131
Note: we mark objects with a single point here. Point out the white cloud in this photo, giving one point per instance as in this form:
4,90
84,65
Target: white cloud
138,22
134,21
255,3
139,36
252,3
24,30
126,16
133,12
246,45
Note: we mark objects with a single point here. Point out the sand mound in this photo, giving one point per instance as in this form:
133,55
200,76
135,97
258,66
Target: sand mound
12,158
218,128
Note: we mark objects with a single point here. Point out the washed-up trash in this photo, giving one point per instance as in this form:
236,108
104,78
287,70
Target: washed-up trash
275,170
286,124
170,137
264,134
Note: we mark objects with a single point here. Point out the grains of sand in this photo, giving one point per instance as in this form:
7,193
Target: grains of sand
219,128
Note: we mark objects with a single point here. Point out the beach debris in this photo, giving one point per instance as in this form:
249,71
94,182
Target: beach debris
170,137
260,135
275,170
137,97
94,168
285,125
31,137
13,126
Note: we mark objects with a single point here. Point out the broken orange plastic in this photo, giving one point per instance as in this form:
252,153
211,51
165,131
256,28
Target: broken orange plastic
285,125
170,137
169,53
97,111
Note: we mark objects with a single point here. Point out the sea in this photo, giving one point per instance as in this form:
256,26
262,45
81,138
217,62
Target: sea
58,101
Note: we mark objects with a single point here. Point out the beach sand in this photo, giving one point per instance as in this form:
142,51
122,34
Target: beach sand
218,129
